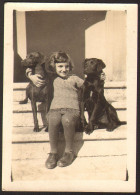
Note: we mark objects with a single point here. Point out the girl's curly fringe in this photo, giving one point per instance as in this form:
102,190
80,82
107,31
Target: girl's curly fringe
58,57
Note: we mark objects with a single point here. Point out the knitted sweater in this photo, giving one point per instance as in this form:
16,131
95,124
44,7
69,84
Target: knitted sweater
65,92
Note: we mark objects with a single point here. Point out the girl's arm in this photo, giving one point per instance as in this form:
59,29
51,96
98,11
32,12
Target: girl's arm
79,82
36,79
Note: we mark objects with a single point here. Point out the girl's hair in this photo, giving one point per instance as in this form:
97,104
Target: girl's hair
59,57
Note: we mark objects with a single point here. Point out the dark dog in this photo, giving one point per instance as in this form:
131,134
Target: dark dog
36,61
101,114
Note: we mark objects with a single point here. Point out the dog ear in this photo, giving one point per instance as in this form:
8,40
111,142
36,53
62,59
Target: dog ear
42,58
100,65
84,61
49,69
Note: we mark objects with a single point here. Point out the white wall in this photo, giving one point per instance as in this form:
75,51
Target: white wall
107,40
21,34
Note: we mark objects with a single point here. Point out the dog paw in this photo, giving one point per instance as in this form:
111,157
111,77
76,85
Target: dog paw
36,129
110,130
90,128
23,102
95,127
87,130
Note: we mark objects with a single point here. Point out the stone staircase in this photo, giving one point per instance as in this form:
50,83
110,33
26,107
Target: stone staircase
99,156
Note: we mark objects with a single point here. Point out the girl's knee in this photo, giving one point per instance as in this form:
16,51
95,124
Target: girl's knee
53,117
68,121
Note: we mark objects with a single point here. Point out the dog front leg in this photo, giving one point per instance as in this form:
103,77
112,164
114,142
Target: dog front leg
34,109
83,120
27,95
82,106
92,120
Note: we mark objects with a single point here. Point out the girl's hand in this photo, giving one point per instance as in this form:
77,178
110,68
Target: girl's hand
103,76
37,80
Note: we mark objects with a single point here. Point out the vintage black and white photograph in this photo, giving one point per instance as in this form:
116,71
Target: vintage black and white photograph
70,77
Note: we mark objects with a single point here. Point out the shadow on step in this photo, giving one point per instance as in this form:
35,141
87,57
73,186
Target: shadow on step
76,148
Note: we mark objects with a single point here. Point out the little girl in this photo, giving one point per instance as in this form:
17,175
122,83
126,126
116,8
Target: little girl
64,109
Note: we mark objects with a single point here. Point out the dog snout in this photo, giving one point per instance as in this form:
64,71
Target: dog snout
88,68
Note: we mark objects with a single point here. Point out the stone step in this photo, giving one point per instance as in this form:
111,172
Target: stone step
83,168
26,118
27,144
27,135
18,108
81,149
108,84
111,94
114,91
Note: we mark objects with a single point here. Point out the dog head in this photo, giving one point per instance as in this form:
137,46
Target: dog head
32,59
93,66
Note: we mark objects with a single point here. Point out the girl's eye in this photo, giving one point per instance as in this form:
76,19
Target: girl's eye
63,66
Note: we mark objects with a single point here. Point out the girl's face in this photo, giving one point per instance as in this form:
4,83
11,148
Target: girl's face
62,69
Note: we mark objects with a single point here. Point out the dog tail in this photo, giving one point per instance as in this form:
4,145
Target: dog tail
122,122
24,101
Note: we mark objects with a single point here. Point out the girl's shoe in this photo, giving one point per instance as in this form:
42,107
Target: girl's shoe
66,159
51,162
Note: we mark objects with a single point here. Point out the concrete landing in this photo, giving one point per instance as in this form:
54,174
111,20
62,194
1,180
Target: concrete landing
84,168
